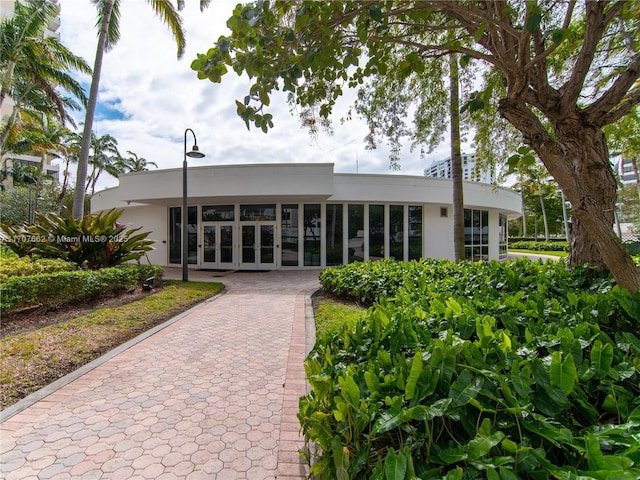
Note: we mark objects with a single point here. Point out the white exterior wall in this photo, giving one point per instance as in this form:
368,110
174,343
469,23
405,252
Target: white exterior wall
152,219
438,232
146,197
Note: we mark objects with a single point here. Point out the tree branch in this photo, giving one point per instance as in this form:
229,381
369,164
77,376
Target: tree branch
595,26
625,107
600,109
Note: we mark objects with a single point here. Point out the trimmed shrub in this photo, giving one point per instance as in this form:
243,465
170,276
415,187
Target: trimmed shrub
51,290
12,266
540,246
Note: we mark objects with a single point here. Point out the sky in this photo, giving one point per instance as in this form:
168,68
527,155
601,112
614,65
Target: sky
148,98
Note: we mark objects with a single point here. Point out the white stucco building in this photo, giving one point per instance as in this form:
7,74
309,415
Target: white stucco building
272,216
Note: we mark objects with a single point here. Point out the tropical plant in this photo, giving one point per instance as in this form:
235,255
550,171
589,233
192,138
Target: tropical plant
108,36
477,370
34,65
554,59
96,241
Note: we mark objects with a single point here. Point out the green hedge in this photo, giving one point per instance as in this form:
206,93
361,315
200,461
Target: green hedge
12,266
540,246
478,371
51,290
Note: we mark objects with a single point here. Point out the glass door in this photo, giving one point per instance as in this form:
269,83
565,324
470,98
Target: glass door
217,245
258,246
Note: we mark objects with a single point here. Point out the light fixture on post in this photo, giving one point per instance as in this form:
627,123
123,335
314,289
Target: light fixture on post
193,153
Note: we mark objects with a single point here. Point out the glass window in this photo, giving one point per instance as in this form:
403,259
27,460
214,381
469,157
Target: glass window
415,232
356,233
312,224
334,234
192,233
257,212
289,235
476,234
376,232
396,232
217,213
175,235
502,240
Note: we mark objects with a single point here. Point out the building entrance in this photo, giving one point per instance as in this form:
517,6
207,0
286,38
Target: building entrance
257,249
217,245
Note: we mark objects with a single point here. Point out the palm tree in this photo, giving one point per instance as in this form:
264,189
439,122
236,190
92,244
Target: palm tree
47,141
71,149
34,65
105,158
456,160
134,163
109,21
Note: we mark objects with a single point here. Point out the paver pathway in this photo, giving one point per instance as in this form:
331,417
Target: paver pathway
213,395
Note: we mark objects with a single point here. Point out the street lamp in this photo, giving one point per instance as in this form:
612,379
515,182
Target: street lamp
193,153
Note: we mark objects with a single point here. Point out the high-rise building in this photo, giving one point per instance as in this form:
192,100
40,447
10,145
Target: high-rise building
7,8
624,168
442,169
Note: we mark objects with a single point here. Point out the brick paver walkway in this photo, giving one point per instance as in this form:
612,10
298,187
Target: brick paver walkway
213,395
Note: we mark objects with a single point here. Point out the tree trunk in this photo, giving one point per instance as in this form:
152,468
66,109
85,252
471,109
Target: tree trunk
81,175
579,161
10,123
456,160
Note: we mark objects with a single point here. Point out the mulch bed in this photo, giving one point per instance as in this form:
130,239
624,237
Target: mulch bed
33,318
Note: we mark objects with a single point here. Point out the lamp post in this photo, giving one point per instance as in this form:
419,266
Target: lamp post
193,153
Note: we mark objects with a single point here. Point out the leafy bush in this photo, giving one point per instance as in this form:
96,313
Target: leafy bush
12,266
540,246
367,281
515,371
96,241
52,290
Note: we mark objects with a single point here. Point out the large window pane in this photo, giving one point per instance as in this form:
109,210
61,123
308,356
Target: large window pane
476,237
396,229
312,235
175,235
257,212
192,227
289,235
216,213
502,245
415,232
334,234
356,232
376,232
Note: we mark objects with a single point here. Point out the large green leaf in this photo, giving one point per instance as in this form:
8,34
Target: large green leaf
395,466
414,375
484,440
601,357
464,388
563,373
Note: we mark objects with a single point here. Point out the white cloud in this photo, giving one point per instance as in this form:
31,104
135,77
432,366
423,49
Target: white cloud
159,97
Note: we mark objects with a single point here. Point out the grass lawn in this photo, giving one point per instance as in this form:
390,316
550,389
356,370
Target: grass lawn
39,356
334,315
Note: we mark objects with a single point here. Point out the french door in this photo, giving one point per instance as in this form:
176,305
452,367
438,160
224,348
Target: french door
217,245
257,250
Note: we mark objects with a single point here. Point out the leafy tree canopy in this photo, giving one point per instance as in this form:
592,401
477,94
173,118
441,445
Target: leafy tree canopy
566,70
